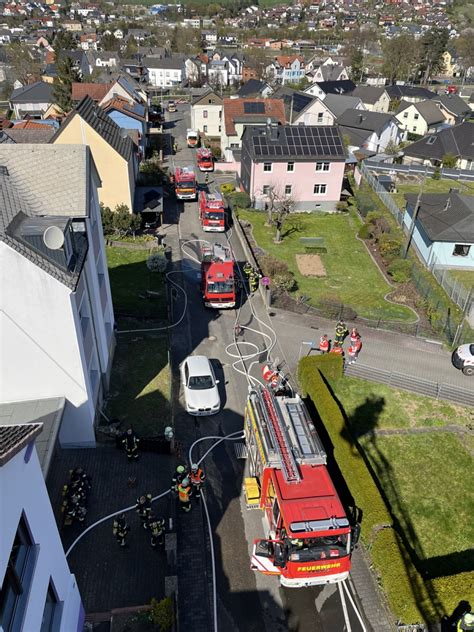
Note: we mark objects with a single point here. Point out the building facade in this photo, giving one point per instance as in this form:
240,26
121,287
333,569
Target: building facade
206,114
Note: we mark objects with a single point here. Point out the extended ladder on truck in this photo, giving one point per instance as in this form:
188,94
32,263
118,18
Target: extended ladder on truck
288,436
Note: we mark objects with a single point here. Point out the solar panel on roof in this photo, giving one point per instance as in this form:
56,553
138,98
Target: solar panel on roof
252,107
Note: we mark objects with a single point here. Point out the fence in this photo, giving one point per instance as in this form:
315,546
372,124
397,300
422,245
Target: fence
459,294
419,170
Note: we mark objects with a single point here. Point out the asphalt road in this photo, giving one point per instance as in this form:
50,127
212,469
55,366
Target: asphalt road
246,601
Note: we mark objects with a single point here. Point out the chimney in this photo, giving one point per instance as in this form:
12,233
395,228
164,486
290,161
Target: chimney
272,130
361,119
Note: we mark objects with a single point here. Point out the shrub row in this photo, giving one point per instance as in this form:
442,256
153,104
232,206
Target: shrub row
330,365
278,271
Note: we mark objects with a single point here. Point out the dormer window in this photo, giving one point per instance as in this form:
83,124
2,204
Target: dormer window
431,140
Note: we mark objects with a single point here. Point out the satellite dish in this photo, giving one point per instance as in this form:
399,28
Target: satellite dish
53,238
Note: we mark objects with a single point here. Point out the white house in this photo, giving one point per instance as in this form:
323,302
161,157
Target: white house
56,314
286,69
420,118
38,589
372,131
206,114
164,73
374,99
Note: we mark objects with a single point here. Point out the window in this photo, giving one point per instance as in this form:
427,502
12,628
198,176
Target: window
220,126
320,117
319,189
414,129
18,579
416,117
322,166
290,166
52,611
461,250
204,129
431,140
267,166
405,115
204,113
288,189
266,189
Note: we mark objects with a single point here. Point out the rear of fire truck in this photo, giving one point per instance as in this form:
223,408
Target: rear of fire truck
185,183
205,160
212,212
308,538
217,277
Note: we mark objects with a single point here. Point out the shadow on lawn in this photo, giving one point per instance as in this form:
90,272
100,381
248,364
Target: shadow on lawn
363,423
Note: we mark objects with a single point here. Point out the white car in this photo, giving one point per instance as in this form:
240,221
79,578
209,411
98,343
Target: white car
463,359
201,395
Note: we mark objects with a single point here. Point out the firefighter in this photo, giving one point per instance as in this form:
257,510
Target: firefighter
341,332
352,352
337,348
120,529
181,472
184,494
466,622
130,441
324,344
143,508
253,281
248,269
156,527
75,510
197,480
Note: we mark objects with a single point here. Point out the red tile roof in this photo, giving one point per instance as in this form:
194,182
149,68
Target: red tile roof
96,91
287,60
119,103
31,125
234,108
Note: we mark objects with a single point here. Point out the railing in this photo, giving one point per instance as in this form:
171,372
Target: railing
451,174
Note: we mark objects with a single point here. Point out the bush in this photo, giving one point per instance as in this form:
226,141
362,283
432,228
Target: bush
330,365
284,282
240,199
157,261
161,613
389,247
365,231
342,207
227,188
373,216
436,174
107,219
400,270
271,266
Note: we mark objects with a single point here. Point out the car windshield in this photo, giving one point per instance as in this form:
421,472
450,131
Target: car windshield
186,184
471,349
200,382
214,215
308,549
220,287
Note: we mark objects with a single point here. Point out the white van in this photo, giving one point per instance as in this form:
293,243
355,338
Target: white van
463,359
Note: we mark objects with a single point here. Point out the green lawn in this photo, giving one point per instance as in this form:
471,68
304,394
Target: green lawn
130,280
140,384
352,277
431,186
369,405
465,277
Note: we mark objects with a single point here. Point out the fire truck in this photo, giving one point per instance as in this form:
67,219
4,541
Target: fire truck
192,138
185,183
217,277
205,160
212,211
308,537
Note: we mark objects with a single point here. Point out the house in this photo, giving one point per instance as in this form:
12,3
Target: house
114,153
96,91
412,94
420,118
195,69
286,69
128,116
166,72
53,261
302,163
337,104
374,99
449,64
255,88
88,41
127,88
329,72
74,26
37,583
322,88
206,114
430,150
444,228
454,109
209,37
372,131
32,100
241,112
299,107
28,132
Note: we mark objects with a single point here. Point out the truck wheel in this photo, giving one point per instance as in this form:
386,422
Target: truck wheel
468,370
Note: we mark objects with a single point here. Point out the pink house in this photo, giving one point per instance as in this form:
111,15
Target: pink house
303,163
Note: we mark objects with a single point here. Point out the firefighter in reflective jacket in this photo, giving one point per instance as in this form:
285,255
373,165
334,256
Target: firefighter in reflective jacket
337,348
143,508
157,530
184,494
253,281
197,479
324,344
466,622
341,331
120,529
180,473
247,269
130,441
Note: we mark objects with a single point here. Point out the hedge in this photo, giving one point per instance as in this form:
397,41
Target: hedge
408,593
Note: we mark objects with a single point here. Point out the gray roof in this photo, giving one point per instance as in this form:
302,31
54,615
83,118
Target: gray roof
101,122
345,86
428,110
167,63
209,97
457,140
29,136
339,103
398,92
295,101
368,94
331,72
252,88
364,120
38,92
453,104
22,421
42,185
446,216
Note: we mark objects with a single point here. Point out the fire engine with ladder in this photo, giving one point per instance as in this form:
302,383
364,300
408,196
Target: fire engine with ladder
204,159
217,276
308,537
185,183
212,211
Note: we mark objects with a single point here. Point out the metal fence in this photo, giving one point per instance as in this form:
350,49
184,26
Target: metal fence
382,193
454,288
419,170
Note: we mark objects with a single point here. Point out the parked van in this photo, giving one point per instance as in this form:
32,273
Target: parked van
171,106
463,359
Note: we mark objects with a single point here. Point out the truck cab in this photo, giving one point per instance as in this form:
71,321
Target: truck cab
212,212
192,138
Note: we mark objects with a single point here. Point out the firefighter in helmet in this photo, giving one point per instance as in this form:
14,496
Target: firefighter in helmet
197,477
120,529
143,508
156,527
466,622
248,269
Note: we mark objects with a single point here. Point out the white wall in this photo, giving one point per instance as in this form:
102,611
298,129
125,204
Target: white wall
41,349
22,489
213,120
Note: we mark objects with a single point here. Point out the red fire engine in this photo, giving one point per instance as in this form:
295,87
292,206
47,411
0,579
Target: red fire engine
217,277
308,539
185,183
205,160
212,211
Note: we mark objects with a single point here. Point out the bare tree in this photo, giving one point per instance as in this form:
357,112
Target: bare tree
278,206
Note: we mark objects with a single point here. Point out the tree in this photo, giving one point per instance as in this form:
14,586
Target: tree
67,74
433,44
357,65
109,42
450,161
107,217
400,57
64,40
392,148
465,48
278,206
25,67
131,47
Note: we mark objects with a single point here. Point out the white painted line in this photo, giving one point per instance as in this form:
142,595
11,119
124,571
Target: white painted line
344,608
